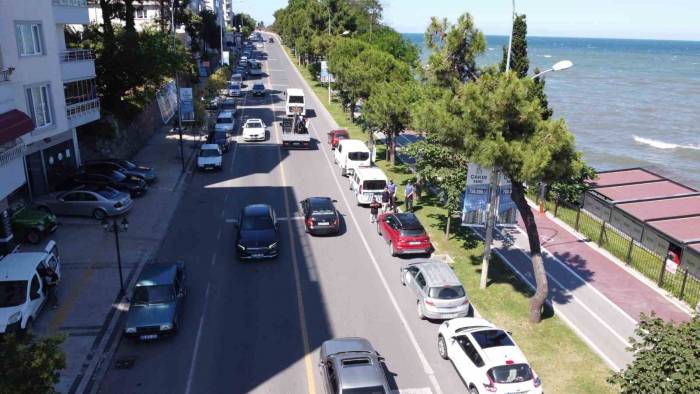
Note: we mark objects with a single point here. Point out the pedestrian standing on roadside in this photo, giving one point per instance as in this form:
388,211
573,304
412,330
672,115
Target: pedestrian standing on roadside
374,210
50,279
392,188
408,196
386,197
392,203
417,189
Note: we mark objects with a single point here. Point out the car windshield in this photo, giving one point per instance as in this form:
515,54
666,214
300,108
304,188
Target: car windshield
118,176
412,232
220,135
12,293
224,120
513,373
492,338
446,293
296,99
358,156
209,153
365,390
108,193
374,184
322,207
256,222
258,87
234,86
254,125
156,294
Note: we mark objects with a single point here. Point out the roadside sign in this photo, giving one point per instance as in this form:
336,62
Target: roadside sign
186,105
476,198
325,75
225,57
167,101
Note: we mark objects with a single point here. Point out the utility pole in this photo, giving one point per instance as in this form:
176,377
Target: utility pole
490,224
177,91
510,38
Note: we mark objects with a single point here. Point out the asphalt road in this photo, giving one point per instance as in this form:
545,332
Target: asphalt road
257,326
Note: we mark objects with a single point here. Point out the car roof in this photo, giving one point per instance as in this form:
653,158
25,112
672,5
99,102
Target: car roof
157,274
314,202
20,266
225,114
345,353
210,146
370,172
350,344
295,92
251,120
408,221
500,355
437,273
257,209
353,144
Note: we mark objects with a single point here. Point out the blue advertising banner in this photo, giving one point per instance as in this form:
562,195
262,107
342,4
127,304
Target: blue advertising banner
186,105
476,198
325,75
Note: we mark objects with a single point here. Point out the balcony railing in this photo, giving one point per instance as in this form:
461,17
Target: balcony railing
12,154
74,55
79,109
70,3
5,74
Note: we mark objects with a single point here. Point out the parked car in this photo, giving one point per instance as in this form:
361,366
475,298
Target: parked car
234,89
225,121
23,294
254,130
320,216
229,104
98,202
404,233
242,70
486,357
126,167
334,136
221,138
258,89
438,291
351,365
156,305
134,185
31,224
213,104
210,158
257,232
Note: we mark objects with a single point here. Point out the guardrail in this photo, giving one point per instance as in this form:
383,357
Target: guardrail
75,55
78,109
70,3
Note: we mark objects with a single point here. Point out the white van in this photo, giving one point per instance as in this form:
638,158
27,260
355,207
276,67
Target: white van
351,154
295,102
368,182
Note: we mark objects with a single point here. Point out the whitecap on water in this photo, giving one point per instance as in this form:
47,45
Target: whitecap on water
547,56
663,145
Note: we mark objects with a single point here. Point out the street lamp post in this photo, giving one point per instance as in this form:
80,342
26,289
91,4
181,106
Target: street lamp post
116,227
177,91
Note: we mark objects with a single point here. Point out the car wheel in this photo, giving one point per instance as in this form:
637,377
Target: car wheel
420,311
394,253
442,347
33,237
99,214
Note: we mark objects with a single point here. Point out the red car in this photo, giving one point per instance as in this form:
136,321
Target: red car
404,233
334,136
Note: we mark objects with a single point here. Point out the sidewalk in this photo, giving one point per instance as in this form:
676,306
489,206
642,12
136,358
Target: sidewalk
88,293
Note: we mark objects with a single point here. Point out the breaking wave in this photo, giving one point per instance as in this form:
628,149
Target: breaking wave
664,145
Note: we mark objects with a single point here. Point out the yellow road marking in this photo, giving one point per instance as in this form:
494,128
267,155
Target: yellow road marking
311,383
66,305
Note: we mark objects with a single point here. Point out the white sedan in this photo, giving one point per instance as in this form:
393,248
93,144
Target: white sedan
254,130
486,357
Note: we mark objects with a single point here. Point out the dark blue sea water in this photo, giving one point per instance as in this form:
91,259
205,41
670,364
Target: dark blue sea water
628,102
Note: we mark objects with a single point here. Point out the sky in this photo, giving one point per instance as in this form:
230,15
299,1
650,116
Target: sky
646,19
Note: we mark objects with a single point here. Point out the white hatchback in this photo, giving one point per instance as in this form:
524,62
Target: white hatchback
254,130
210,157
486,357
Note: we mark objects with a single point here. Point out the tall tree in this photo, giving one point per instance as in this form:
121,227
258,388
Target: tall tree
107,9
519,62
128,17
454,51
29,364
666,358
504,129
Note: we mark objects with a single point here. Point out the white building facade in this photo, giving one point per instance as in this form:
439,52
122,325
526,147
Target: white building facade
146,13
52,85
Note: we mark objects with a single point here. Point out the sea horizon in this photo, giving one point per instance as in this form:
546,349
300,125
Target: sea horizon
579,37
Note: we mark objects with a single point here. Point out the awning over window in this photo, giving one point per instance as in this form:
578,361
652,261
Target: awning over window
14,124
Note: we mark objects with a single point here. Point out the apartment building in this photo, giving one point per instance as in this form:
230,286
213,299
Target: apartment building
146,13
46,91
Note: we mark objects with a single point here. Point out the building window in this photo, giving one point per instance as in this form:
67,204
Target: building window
39,105
80,91
140,13
29,39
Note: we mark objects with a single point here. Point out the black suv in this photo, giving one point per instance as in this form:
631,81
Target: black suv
257,232
135,186
126,167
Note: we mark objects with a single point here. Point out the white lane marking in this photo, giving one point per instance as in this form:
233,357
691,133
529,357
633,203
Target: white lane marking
193,364
218,236
226,196
601,295
422,390
223,213
424,361
213,259
233,160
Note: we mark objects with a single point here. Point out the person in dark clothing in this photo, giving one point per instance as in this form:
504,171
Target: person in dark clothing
374,210
50,279
392,203
386,197
408,195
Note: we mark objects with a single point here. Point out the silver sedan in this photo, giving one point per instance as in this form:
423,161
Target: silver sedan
96,202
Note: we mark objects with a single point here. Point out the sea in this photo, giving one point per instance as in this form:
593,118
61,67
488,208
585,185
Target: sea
629,103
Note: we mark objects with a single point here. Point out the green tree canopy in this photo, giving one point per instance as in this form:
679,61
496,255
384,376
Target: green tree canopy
519,62
30,365
666,358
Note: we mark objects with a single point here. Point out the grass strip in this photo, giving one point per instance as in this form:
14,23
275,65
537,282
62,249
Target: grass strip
563,361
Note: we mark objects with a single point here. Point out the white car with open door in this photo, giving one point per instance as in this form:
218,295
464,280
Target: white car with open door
486,357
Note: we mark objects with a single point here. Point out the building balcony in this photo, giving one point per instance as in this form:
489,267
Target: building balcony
12,170
71,12
77,64
83,112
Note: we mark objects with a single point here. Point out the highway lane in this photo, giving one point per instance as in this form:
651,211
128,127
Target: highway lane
242,330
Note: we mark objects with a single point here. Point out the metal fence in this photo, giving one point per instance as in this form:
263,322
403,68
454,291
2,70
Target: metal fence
74,55
681,284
